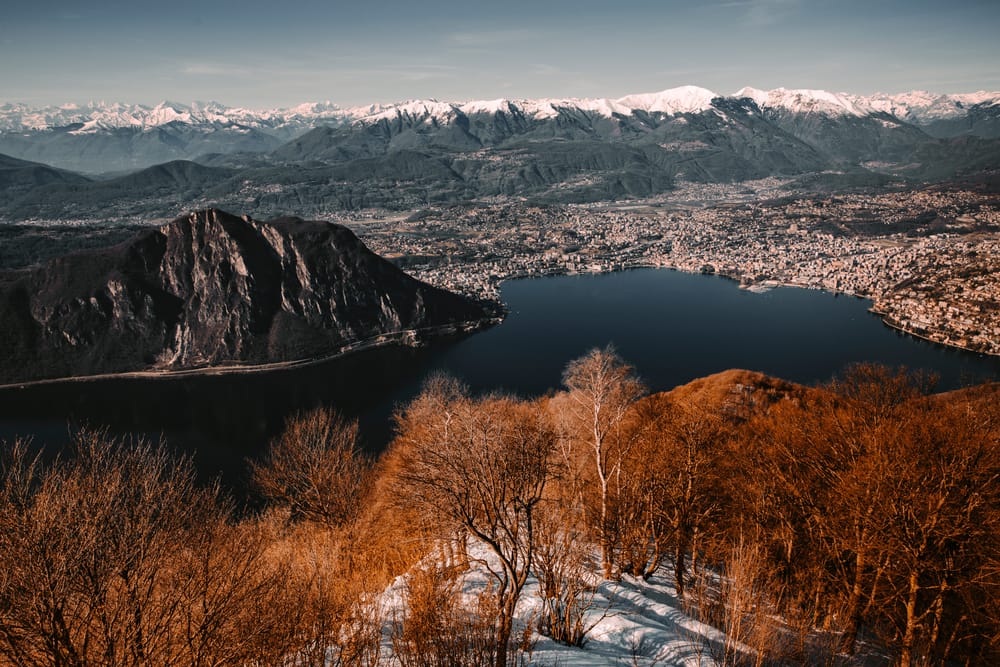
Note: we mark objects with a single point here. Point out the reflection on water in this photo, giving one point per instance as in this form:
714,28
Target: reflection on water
672,326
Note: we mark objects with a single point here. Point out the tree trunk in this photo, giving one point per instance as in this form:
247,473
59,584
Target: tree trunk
505,625
694,552
853,612
680,569
910,636
605,530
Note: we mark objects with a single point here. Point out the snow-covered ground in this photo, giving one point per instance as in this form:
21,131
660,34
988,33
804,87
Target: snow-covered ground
637,623
631,621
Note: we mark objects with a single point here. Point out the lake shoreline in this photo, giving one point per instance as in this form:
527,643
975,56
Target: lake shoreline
407,338
672,326
419,337
758,287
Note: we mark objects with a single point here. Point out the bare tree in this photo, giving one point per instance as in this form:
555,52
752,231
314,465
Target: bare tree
673,482
314,468
881,504
564,588
942,515
84,564
113,556
602,389
437,628
479,468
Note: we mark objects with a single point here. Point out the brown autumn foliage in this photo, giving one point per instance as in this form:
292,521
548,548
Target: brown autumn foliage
331,615
477,470
870,508
804,523
438,629
669,495
880,506
114,556
569,609
314,468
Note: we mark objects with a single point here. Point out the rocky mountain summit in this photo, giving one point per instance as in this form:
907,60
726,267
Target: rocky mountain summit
214,289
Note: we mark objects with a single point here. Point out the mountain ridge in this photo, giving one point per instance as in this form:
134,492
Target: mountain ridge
211,288
422,152
913,106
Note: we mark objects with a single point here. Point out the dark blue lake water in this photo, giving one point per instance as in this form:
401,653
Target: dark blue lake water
673,327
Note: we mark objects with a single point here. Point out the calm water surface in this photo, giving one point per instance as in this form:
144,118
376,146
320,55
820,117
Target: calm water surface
673,327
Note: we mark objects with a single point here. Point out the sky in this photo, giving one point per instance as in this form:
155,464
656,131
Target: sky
265,54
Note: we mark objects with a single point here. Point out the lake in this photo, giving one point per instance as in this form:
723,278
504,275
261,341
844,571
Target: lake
673,327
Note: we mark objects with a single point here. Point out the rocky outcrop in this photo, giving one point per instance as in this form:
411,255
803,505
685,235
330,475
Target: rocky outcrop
209,289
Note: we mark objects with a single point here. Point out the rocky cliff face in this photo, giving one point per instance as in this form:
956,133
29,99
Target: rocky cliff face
209,289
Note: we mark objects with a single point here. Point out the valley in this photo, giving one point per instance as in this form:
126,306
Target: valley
519,334
889,198
925,256
142,163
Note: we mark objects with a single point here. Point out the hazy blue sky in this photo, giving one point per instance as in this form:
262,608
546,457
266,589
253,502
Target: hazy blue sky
271,53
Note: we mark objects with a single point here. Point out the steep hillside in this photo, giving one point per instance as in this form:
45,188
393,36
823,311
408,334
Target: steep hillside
211,288
18,175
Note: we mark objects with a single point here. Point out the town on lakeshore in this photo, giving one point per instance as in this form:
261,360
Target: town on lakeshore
928,259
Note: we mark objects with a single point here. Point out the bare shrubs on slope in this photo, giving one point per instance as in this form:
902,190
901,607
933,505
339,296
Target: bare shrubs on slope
804,524
477,469
116,557
880,509
314,468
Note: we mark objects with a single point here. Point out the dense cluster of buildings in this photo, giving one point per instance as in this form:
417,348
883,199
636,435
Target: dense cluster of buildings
927,259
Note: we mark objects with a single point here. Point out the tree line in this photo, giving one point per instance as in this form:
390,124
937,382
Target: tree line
811,525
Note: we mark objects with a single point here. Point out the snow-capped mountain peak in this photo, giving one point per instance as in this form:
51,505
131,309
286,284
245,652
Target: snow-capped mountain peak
414,109
756,94
684,99
918,107
485,106
804,100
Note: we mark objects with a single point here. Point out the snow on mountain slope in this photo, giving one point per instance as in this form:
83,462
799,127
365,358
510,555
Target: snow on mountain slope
425,110
96,117
806,101
685,99
643,623
919,107
922,107
916,107
538,109
485,106
541,109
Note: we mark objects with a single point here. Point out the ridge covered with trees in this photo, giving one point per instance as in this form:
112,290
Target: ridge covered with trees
851,523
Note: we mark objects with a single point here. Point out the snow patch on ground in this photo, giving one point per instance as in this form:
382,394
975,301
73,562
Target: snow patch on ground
635,622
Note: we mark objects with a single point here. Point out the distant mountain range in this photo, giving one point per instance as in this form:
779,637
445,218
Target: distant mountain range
320,157
918,107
